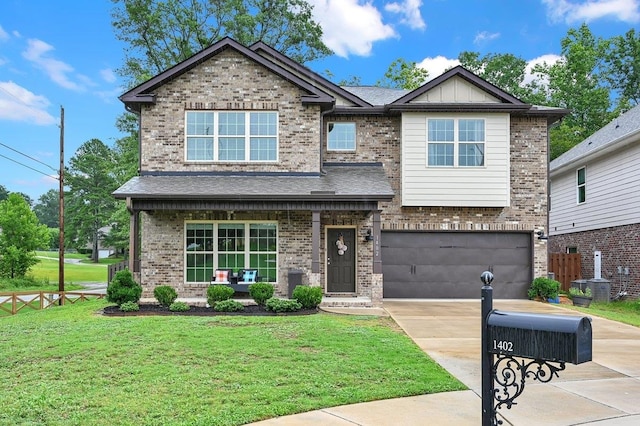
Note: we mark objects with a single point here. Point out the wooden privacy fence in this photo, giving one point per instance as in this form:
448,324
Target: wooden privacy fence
115,268
566,268
12,303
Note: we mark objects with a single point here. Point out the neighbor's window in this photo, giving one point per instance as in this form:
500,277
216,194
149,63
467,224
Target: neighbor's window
582,185
341,137
572,249
455,142
230,245
232,136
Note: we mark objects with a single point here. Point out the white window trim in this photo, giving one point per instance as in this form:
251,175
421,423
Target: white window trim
578,185
247,137
214,252
355,136
455,142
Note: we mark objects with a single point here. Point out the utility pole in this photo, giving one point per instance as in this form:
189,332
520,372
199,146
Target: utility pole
61,212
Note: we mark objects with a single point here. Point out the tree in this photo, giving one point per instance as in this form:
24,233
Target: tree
91,181
48,209
21,234
3,193
622,69
403,75
160,34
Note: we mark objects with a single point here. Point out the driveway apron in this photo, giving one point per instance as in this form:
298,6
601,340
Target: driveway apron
605,391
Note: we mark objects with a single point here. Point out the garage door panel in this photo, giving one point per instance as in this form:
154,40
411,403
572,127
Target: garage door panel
449,264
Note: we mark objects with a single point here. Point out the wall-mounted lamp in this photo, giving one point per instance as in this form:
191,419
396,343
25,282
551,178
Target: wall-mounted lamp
368,236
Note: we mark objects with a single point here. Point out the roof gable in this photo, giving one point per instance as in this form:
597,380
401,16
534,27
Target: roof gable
143,93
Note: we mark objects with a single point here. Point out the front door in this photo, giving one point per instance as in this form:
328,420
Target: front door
341,260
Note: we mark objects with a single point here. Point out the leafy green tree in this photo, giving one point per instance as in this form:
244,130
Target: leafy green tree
21,234
403,75
3,193
160,34
89,203
48,209
622,69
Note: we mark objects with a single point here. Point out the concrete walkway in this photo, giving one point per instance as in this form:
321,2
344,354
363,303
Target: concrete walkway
605,391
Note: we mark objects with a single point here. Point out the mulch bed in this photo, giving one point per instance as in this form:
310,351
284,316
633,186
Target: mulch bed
148,309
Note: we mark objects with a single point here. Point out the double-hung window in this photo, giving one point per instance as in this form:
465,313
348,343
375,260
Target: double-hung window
231,136
455,142
230,245
341,137
581,177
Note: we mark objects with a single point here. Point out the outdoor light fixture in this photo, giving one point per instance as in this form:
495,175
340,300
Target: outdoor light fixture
368,236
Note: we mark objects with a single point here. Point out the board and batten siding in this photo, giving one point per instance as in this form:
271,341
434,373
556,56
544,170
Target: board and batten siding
455,90
612,196
486,186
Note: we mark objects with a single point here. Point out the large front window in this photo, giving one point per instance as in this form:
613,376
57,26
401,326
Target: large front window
232,136
230,245
455,142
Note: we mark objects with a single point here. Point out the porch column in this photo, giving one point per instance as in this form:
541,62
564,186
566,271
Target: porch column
315,242
377,257
134,238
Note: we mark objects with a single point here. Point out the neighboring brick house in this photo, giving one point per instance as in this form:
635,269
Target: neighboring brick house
595,203
248,159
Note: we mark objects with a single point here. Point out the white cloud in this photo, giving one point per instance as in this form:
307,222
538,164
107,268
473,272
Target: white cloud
485,36
108,75
410,9
437,65
3,34
548,59
571,11
350,27
19,104
38,52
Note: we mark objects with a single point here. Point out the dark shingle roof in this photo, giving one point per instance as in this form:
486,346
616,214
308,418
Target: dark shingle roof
618,129
352,182
376,95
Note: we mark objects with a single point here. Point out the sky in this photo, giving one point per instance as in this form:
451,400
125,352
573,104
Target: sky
64,54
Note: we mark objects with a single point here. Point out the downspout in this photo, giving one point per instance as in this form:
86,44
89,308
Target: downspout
134,219
322,139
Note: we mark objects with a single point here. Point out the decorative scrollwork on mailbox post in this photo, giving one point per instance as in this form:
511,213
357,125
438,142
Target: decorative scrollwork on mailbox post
517,346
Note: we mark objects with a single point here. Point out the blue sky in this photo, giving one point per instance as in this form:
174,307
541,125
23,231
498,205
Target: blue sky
64,53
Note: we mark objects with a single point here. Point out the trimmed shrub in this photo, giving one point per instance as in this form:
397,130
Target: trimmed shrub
309,297
218,293
129,307
179,307
261,292
228,306
545,288
165,295
282,305
123,288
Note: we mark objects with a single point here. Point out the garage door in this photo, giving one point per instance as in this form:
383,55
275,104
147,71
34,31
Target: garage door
449,264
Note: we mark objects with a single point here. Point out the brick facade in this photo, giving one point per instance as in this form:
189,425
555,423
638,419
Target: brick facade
619,247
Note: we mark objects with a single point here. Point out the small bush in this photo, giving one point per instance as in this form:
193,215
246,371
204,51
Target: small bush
165,295
179,307
543,287
576,291
228,306
218,293
309,297
261,292
282,305
129,307
123,288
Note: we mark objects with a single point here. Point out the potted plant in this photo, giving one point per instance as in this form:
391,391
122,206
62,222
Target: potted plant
580,297
543,289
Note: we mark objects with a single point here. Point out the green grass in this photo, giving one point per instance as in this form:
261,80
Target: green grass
68,365
47,269
625,311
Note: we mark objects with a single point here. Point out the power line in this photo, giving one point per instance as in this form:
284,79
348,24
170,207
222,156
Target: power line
28,167
29,157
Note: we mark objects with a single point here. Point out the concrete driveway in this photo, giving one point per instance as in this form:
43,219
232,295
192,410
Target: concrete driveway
605,391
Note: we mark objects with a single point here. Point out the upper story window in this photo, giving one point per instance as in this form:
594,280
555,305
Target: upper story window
341,137
232,136
455,142
582,185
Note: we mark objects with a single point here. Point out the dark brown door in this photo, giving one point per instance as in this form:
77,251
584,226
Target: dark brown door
341,260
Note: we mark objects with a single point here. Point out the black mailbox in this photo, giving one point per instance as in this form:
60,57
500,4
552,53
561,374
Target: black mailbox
559,338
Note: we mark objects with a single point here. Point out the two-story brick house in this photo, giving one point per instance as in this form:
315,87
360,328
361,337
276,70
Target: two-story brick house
250,160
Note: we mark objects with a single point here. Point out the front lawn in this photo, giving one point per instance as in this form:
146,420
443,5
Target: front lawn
69,365
626,311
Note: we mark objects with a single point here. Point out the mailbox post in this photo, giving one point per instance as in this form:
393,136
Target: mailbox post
522,345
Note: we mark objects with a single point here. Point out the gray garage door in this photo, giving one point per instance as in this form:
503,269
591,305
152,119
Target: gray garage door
449,264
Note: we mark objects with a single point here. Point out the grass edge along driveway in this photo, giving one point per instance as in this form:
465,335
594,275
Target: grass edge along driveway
70,365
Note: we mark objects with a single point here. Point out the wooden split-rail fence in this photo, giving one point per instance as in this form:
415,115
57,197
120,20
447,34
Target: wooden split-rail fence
12,303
